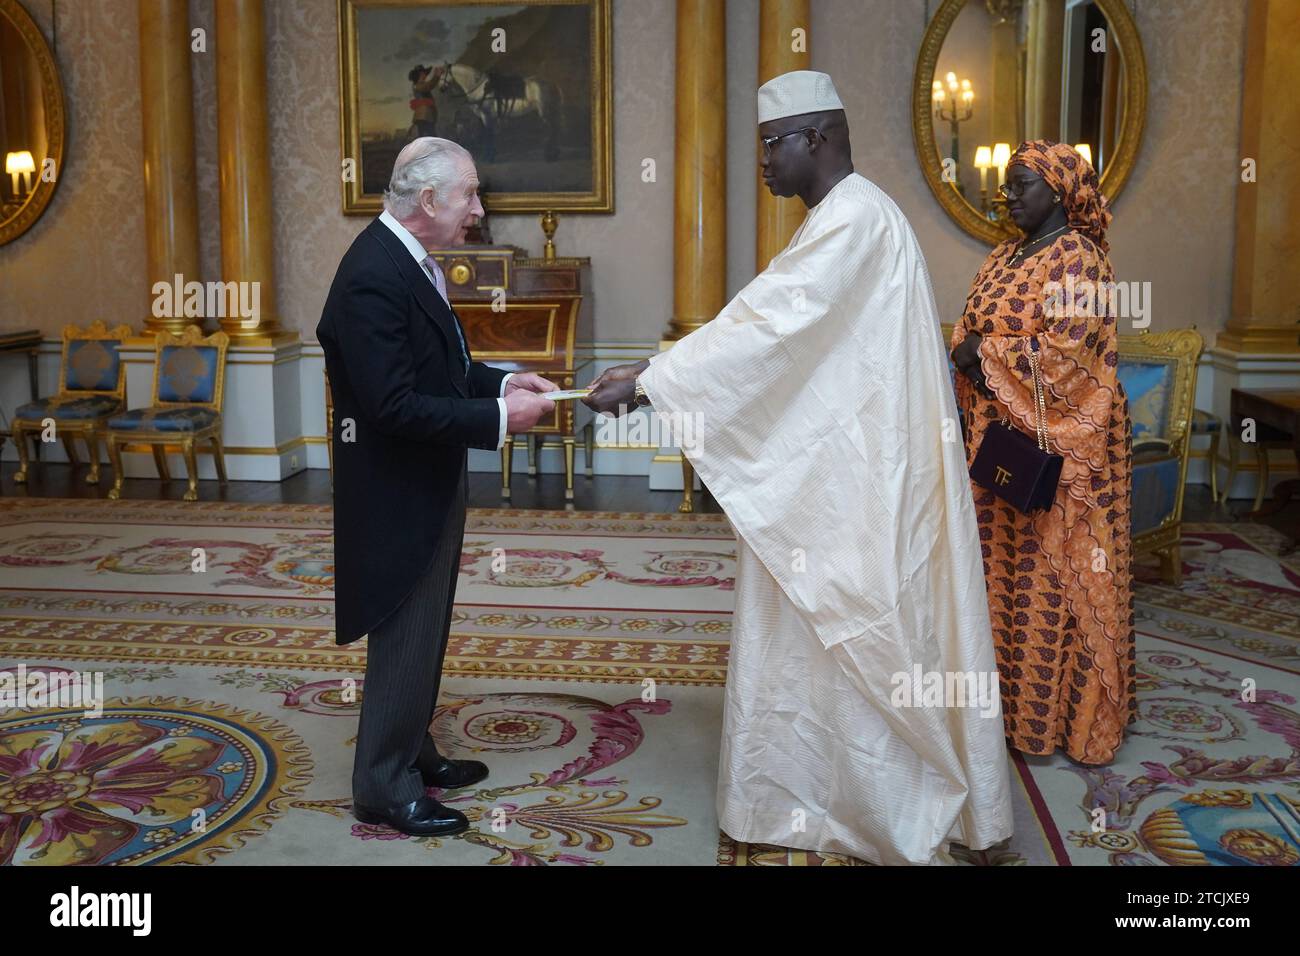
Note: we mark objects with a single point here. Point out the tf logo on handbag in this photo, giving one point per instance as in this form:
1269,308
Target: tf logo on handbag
1017,468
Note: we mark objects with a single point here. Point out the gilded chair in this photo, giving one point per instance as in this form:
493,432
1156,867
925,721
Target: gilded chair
1206,423
1158,372
188,379
92,388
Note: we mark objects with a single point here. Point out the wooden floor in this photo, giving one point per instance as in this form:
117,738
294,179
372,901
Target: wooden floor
601,493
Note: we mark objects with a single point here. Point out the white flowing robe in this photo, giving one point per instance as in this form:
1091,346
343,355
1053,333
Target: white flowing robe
827,430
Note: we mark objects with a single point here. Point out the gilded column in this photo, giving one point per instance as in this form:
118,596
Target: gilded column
171,218
245,166
700,173
1002,99
1043,68
1265,294
780,49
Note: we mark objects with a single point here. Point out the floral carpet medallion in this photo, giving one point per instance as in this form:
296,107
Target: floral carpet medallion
151,780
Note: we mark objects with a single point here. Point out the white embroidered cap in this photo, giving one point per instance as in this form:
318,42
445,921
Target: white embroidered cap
800,91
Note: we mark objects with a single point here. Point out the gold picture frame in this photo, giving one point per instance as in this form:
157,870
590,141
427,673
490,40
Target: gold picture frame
484,128
1114,176
18,222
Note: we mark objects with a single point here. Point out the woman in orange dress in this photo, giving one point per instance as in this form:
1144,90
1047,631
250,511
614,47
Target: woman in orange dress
1059,582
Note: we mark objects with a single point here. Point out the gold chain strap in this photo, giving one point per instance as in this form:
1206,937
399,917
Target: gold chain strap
1040,405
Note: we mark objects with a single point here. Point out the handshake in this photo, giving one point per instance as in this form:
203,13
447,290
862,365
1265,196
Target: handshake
613,389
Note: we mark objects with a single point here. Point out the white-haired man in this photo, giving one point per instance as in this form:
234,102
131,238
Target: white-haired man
408,401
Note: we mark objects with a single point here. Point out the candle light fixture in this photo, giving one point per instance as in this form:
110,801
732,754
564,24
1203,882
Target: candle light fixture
953,105
20,162
983,162
1001,156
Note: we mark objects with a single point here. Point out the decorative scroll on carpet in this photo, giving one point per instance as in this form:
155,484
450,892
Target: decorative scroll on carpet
586,664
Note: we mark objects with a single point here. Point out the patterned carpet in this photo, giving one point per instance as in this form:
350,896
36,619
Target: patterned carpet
586,664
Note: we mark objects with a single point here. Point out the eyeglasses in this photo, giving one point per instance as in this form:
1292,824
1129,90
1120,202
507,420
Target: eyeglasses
770,141
1016,187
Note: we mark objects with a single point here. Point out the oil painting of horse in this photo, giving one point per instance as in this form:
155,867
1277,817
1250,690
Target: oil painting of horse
523,86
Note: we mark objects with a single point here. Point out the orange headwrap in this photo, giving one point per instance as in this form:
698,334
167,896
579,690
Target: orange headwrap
1069,174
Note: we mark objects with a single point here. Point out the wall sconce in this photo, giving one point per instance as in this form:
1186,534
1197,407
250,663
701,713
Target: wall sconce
954,106
1084,150
20,162
1001,156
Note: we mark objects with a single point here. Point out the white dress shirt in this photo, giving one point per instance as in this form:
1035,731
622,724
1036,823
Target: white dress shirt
418,253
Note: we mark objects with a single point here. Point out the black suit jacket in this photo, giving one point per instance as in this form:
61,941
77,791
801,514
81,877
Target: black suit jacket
395,371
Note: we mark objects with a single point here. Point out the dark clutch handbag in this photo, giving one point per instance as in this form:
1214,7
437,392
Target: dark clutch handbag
1015,467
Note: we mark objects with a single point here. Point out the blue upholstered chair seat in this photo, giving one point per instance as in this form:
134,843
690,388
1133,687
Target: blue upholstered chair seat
163,419
1155,490
68,408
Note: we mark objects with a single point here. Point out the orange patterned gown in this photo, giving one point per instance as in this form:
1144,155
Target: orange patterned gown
1059,582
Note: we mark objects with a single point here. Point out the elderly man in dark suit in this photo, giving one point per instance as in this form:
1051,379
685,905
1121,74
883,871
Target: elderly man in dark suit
408,401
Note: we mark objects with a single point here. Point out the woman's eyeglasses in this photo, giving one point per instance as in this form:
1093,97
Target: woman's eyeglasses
1016,187
770,141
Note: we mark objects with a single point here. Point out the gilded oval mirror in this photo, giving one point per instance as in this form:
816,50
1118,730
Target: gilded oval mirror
31,121
994,73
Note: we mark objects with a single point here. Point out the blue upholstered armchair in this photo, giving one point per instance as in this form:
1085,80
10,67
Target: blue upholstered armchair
1158,372
92,388
188,379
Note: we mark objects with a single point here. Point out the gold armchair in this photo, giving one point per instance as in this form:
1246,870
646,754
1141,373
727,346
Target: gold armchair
188,381
1158,372
92,388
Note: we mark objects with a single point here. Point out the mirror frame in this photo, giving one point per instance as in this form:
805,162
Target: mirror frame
52,95
927,152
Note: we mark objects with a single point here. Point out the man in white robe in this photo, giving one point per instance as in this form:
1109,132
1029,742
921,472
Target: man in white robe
824,423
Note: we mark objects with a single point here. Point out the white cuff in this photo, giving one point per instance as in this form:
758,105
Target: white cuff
501,432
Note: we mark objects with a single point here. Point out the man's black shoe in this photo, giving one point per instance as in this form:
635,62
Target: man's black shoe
422,817
448,774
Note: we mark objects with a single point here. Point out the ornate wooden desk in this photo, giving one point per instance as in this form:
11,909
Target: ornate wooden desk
1276,411
523,314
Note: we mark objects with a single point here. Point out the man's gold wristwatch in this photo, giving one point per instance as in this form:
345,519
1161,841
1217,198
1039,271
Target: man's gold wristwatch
642,399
